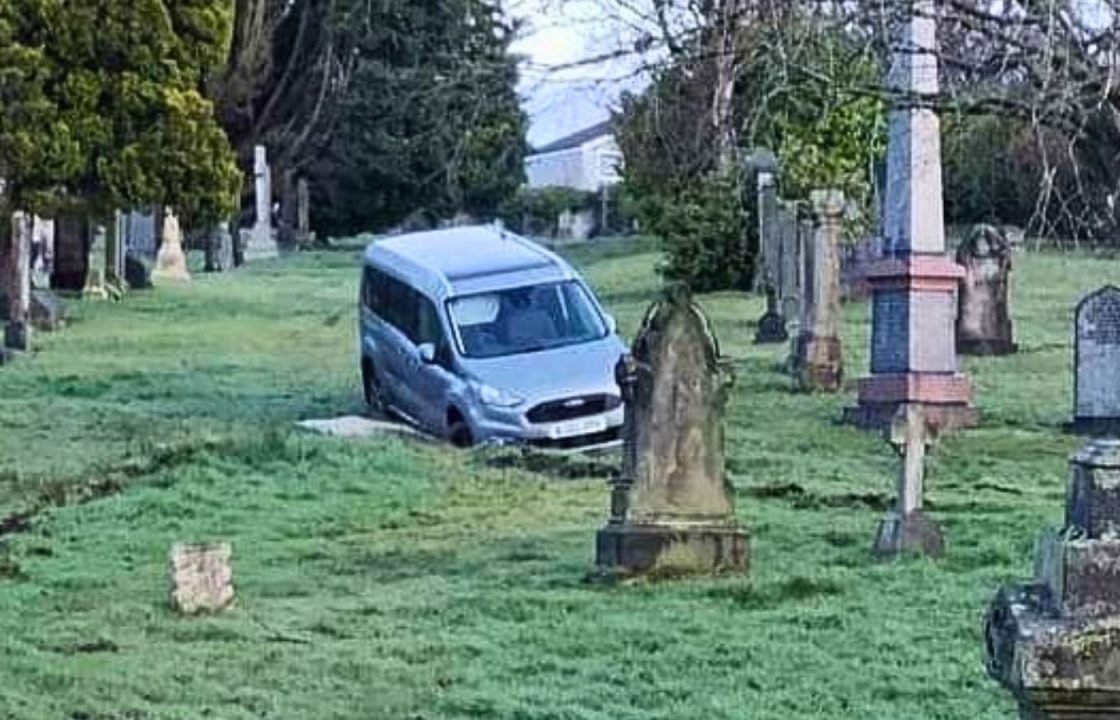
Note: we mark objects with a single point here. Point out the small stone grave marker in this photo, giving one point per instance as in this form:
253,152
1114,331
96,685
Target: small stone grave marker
201,577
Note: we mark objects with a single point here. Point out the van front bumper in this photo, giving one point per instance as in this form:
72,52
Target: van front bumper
508,426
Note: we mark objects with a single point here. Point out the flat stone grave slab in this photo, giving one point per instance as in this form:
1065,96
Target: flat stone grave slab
356,426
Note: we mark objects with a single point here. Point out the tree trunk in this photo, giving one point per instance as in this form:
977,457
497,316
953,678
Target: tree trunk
17,334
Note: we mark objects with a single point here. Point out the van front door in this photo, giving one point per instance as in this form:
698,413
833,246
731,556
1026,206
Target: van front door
434,379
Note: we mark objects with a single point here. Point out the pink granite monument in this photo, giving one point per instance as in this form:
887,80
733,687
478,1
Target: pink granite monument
914,283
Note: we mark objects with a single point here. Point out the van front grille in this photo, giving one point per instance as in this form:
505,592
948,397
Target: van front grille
572,408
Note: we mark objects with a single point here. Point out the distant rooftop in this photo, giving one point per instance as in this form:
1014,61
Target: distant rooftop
576,139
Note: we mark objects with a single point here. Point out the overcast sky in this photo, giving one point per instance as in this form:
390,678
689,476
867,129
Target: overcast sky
558,33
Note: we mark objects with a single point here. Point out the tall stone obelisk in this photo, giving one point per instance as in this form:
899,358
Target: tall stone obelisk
914,283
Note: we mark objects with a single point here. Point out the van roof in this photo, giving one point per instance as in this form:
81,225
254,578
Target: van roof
466,258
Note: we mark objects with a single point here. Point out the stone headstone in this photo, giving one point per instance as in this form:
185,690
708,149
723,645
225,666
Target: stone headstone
1054,642
983,310
798,235
817,361
42,252
908,529
1097,366
171,262
201,577
304,237
259,241
95,263
671,511
913,349
219,248
16,263
47,311
137,271
115,249
855,258
140,234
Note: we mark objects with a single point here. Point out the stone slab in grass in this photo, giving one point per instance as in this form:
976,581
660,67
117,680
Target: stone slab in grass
355,426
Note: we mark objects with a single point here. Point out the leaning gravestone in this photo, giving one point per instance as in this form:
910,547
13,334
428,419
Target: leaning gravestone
983,309
671,511
1054,642
1097,372
201,577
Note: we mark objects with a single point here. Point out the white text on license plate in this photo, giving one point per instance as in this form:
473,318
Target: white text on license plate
586,426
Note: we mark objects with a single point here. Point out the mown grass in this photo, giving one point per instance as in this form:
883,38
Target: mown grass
386,579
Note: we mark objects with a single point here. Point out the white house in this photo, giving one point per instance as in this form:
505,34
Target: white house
586,160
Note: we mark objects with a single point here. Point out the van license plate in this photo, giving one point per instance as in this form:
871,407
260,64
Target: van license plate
586,426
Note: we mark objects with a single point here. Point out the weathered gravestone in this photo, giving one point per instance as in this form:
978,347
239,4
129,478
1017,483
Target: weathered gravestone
983,310
47,311
1097,372
1054,642
219,248
15,261
94,286
671,509
171,262
201,577
817,359
772,325
908,529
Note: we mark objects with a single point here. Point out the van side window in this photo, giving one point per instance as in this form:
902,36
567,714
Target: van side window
403,307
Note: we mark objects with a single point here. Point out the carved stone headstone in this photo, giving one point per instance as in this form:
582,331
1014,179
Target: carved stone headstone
201,578
983,310
772,325
671,510
115,248
908,529
219,248
304,236
1054,642
817,359
42,252
171,262
1097,371
95,262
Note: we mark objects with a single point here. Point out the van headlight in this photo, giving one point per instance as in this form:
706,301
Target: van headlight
496,397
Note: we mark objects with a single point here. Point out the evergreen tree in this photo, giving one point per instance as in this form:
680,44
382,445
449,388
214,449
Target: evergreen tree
431,122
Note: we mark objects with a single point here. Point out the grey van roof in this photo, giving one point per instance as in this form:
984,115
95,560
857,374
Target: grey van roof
467,259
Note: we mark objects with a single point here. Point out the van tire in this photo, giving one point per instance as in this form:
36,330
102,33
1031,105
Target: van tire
460,434
371,388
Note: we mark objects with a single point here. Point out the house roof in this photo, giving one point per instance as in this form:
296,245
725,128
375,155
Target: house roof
576,139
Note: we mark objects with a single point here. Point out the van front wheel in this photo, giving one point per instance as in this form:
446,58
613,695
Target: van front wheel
371,388
460,434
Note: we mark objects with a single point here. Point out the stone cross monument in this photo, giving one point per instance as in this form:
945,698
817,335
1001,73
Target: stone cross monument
671,510
817,359
259,241
908,529
913,349
1054,642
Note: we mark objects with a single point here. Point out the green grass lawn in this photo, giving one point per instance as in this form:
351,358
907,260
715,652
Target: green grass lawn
386,579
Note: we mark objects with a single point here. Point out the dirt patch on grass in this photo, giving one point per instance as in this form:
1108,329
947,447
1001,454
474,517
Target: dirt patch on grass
803,499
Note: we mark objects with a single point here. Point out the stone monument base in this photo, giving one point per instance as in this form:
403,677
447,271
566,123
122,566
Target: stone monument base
1058,667
626,549
1096,426
912,533
818,363
986,347
946,400
258,243
17,336
771,329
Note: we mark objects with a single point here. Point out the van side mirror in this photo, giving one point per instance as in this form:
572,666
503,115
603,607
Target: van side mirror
612,324
427,353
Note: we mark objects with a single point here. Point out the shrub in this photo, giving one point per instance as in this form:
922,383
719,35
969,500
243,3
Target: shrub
708,239
534,211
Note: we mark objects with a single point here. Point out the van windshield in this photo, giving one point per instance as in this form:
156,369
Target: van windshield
525,319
